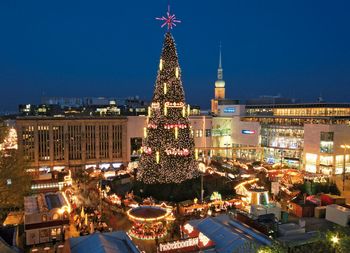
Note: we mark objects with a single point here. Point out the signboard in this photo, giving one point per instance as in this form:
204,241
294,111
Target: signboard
190,243
229,110
248,132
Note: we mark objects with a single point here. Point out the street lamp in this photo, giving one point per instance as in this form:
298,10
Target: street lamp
335,239
345,147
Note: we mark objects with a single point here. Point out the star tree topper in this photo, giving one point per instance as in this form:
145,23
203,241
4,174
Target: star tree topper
170,20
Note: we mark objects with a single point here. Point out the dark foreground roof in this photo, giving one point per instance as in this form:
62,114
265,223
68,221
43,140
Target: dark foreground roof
113,242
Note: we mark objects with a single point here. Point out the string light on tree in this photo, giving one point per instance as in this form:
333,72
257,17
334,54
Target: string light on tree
165,89
176,132
170,138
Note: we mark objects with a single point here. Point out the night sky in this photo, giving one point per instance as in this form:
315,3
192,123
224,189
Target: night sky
295,48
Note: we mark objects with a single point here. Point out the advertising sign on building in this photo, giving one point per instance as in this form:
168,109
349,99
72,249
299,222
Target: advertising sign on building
248,132
229,110
186,245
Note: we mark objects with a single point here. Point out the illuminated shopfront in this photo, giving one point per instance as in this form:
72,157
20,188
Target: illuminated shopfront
311,162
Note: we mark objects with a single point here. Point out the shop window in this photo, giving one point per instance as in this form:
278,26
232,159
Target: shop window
326,147
55,232
326,160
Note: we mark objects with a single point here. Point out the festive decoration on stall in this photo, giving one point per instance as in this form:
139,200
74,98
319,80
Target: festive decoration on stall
171,141
149,222
145,132
215,196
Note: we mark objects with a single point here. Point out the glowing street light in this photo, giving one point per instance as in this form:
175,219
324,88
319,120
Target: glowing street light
335,239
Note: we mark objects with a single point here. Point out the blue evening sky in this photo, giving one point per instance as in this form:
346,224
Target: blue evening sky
298,48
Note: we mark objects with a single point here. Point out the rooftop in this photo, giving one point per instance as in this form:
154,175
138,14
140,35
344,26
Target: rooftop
43,202
113,242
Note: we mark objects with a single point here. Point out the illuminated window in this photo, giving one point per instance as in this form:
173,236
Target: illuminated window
55,216
55,232
311,162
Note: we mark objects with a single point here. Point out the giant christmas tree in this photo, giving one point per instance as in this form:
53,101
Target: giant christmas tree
168,150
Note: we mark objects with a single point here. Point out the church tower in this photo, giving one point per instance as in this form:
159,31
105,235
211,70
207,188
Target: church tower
219,87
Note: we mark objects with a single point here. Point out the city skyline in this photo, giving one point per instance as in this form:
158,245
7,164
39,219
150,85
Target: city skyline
87,50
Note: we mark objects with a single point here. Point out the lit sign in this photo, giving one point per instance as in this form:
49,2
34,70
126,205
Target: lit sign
248,132
229,110
169,246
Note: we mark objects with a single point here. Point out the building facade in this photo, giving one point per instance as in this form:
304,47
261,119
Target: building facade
307,136
73,141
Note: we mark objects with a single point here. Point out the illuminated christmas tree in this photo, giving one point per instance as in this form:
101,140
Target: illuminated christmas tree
168,149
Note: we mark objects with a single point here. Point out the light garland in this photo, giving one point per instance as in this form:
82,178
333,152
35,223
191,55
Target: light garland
177,72
176,151
149,111
183,111
174,104
153,126
145,132
165,89
181,126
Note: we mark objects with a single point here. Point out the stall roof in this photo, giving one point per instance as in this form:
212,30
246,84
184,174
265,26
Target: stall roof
113,242
227,238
